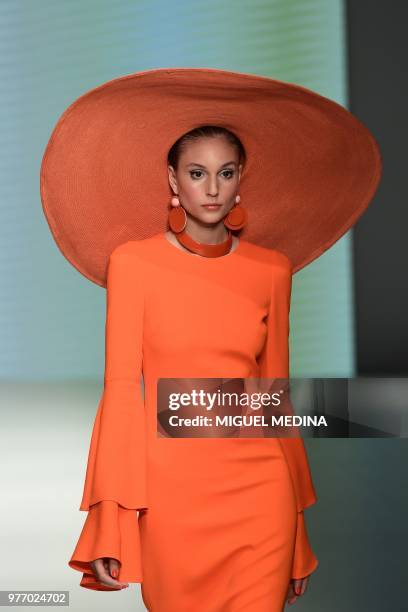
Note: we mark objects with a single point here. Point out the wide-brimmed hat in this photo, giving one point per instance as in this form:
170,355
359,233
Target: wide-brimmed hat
312,167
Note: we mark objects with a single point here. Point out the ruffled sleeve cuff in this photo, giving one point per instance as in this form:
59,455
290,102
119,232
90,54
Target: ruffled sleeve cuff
304,562
110,530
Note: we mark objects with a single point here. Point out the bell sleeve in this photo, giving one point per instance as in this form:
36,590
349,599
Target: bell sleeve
115,482
273,362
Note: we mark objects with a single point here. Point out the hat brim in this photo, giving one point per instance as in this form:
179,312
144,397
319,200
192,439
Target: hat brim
312,167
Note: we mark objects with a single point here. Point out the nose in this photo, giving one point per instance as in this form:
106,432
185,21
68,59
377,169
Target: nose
212,186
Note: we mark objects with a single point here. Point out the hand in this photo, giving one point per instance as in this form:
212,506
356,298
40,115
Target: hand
297,588
106,570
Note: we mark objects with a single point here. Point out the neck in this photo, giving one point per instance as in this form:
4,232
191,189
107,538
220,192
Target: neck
203,234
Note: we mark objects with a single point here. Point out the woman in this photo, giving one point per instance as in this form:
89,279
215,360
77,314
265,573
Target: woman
220,524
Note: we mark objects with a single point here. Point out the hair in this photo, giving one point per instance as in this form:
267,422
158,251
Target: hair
204,131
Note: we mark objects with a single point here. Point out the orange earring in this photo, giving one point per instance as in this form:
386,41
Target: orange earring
177,216
237,216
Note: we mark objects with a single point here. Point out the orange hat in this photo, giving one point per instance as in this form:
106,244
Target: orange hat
312,167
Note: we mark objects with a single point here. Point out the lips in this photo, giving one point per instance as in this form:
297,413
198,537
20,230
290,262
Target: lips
212,205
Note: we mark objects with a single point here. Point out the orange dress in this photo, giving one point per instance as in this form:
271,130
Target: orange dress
220,525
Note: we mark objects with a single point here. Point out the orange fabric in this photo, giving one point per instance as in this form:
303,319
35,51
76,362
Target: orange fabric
109,531
173,314
304,561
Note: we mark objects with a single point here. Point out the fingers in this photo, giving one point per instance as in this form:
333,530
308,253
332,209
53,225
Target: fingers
290,596
305,582
106,571
297,588
113,567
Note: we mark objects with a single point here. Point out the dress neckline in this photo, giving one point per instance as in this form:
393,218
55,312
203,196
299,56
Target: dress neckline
193,257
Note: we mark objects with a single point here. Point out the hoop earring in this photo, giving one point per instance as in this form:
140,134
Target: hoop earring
177,216
237,216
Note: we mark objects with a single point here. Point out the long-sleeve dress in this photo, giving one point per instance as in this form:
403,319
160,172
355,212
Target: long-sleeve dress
220,525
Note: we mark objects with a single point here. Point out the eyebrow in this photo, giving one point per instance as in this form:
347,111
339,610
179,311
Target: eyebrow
201,166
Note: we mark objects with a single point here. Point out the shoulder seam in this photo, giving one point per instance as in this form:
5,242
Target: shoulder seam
125,248
284,258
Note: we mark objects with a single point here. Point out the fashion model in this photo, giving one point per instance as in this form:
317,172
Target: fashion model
193,195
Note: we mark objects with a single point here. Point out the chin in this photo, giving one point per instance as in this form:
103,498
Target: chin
214,220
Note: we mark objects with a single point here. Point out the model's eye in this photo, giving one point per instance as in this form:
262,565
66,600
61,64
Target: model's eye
230,173
193,173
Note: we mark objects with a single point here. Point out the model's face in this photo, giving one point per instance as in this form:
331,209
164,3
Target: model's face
208,172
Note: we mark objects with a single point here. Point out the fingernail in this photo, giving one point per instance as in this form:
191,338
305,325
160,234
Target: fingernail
115,573
298,590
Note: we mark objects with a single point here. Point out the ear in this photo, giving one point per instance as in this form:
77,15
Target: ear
240,171
172,178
